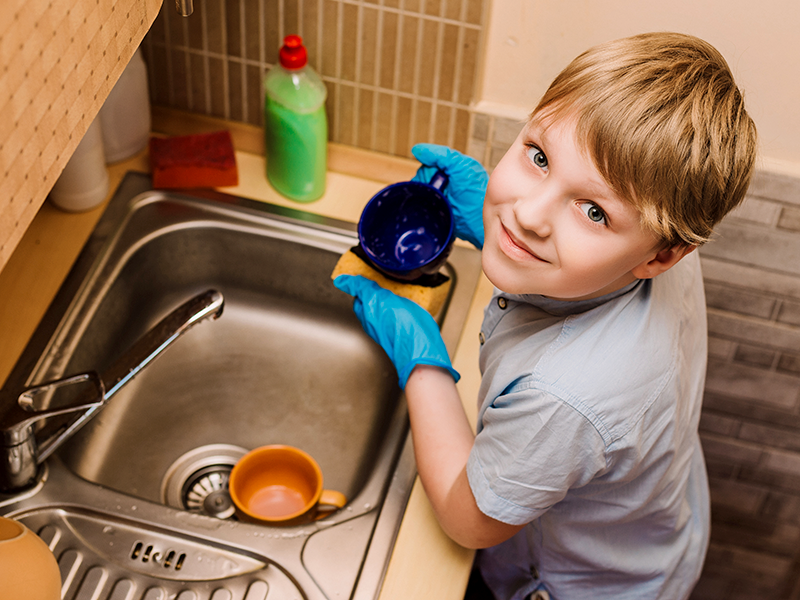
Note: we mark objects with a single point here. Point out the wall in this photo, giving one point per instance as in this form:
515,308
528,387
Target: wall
750,425
529,42
392,66
397,71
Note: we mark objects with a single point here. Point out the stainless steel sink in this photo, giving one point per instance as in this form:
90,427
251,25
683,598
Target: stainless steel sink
134,505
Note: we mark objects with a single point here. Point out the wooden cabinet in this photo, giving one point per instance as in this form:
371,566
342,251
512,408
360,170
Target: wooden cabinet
59,60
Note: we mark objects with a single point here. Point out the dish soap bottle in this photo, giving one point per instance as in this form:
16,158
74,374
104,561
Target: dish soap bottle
295,125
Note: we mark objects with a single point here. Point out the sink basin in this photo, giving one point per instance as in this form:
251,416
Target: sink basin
134,505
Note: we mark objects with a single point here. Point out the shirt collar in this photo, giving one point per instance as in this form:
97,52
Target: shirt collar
562,308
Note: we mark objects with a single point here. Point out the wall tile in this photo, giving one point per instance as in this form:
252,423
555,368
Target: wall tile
741,275
198,84
448,66
217,87
390,38
781,480
453,10
755,356
776,437
233,30
772,249
427,70
292,16
782,507
213,19
470,61
756,331
789,363
775,186
407,49
789,218
757,210
767,387
743,302
711,422
789,313
368,51
721,348
733,450
782,462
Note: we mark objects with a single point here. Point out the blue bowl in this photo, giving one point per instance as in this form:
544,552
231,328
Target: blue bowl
406,230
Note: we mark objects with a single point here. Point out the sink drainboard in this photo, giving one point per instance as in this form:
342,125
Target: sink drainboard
102,558
135,506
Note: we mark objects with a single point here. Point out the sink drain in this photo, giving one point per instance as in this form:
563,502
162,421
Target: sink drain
198,480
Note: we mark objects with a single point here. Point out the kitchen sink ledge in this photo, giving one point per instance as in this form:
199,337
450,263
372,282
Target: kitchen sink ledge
425,563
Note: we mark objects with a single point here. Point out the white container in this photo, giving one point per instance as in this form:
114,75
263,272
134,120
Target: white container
125,115
83,184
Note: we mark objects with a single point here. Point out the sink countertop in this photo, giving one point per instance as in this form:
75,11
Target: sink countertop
425,563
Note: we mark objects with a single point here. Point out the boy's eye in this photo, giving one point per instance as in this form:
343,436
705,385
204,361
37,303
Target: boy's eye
537,157
594,212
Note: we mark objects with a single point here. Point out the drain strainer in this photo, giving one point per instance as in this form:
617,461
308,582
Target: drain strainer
198,480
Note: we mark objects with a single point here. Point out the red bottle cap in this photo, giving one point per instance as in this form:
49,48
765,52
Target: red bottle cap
293,54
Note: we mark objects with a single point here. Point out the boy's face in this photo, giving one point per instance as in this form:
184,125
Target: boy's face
554,227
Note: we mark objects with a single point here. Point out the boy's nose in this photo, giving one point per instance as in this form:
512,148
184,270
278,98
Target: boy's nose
534,211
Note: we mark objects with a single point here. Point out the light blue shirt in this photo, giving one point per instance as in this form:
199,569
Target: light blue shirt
587,432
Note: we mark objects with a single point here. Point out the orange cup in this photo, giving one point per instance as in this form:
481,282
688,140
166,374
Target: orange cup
280,485
27,567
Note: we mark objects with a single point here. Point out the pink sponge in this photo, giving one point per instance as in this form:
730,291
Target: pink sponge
187,161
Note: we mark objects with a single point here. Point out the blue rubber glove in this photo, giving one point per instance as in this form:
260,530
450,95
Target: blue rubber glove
405,330
465,191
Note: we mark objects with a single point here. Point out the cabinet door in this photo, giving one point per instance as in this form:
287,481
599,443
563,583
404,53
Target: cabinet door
59,60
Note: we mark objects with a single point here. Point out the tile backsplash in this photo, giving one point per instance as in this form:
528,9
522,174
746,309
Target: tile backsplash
400,72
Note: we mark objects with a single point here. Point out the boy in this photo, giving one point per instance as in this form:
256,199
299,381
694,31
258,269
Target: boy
586,477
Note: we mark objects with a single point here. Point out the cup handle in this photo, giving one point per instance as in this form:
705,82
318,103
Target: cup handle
439,180
330,501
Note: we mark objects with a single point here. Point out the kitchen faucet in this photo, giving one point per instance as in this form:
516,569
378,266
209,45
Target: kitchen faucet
21,453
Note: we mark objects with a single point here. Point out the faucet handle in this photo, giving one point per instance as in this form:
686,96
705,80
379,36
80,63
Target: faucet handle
26,414
87,402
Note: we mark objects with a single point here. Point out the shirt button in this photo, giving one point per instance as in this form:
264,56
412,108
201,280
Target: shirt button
482,338
502,303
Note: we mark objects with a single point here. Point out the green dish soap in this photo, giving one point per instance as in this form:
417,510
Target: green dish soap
295,125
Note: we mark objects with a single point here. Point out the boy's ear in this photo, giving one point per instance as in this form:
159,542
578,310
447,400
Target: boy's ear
662,261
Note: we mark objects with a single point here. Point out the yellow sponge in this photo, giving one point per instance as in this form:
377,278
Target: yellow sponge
430,292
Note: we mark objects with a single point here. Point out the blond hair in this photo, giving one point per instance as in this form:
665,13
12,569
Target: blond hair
666,126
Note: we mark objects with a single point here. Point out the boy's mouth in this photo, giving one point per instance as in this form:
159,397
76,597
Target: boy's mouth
514,248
